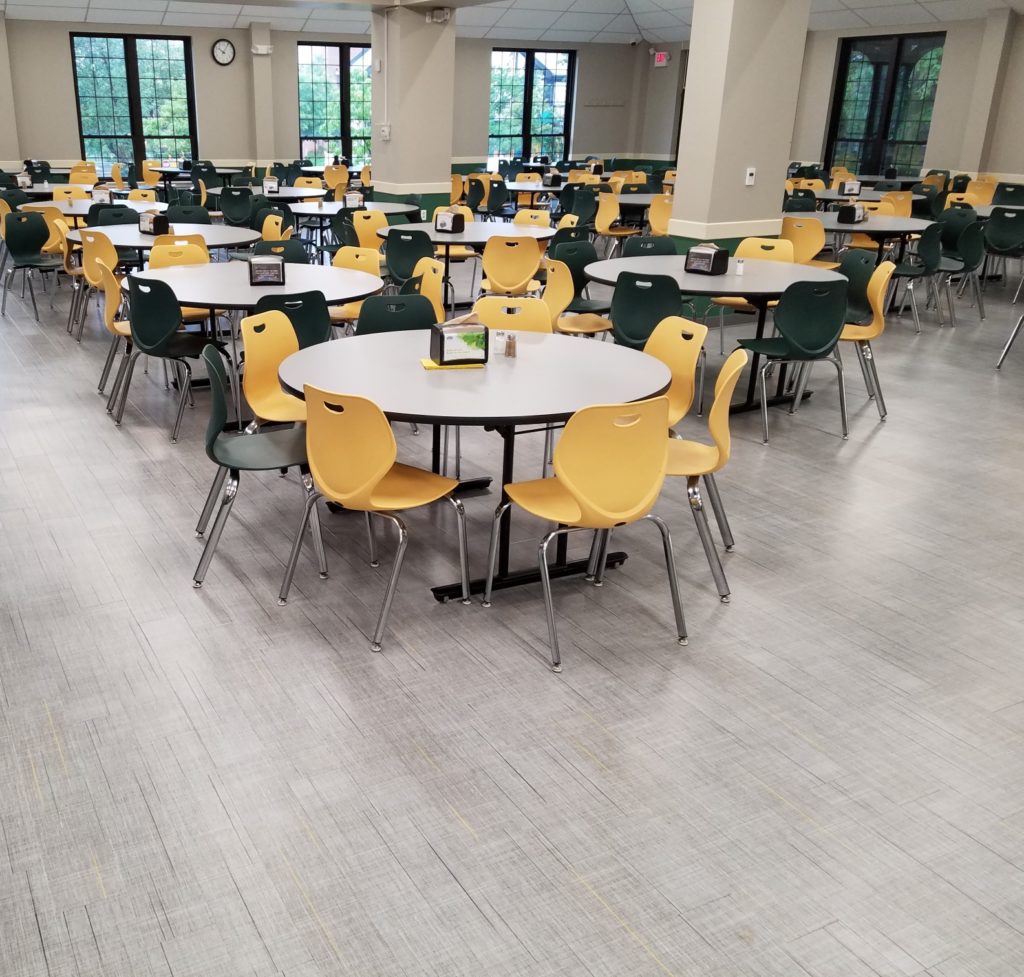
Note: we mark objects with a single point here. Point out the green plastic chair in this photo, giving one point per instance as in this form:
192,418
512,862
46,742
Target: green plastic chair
639,303
155,319
963,260
809,320
799,205
25,233
112,216
959,183
566,197
257,206
293,250
475,193
187,214
644,245
263,451
403,250
498,201
1004,238
577,255
1011,194
858,266
235,204
953,221
14,198
922,266
395,313
306,311
584,205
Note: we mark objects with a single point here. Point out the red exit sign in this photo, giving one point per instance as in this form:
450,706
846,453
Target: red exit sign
661,59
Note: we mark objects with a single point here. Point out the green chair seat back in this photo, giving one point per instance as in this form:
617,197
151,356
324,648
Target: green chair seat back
810,317
641,245
953,221
970,246
111,216
306,311
14,198
293,251
1004,230
577,255
187,214
25,233
155,314
404,249
584,204
639,303
799,205
858,266
1009,193
395,313
235,203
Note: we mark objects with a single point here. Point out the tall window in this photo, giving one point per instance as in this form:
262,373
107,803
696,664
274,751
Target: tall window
334,102
134,97
531,103
882,110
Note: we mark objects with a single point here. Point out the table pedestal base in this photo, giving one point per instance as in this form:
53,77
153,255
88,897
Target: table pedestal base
778,400
520,578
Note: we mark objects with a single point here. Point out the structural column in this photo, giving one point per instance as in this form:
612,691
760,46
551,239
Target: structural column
262,93
746,57
413,94
10,151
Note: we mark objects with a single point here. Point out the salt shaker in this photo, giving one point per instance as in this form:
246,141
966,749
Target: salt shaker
739,266
510,346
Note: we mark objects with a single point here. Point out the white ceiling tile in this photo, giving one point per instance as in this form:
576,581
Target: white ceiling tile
583,22
97,15
659,19
536,19
642,6
674,34
610,37
276,23
538,4
155,6
568,37
339,26
198,20
479,16
836,20
53,3
901,13
470,31
682,7
219,10
21,12
514,34
821,6
954,9
600,6
624,23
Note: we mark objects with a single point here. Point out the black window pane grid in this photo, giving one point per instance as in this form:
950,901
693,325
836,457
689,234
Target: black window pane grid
334,102
163,97
508,99
105,126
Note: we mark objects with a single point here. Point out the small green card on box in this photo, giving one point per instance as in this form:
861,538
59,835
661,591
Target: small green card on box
461,340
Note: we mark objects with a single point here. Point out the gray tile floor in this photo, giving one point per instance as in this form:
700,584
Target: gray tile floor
828,781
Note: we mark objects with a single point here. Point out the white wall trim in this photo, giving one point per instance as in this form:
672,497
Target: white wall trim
725,229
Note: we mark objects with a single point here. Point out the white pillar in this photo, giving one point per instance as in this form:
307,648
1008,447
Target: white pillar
743,80
10,149
263,95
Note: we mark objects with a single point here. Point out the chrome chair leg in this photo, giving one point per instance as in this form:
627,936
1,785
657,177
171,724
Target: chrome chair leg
764,400
125,385
913,306
314,519
546,453
227,502
460,516
838,364
211,501
700,517
293,558
872,368
549,603
389,594
977,294
108,363
119,376
1009,342
864,371
595,555
184,382
673,583
492,550
371,536
7,288
719,510
801,386
702,362
602,558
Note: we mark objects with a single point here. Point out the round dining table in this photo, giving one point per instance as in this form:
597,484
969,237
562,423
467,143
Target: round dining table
878,227
905,182
169,174
215,235
759,283
287,194
80,208
44,191
323,210
475,235
550,378
865,196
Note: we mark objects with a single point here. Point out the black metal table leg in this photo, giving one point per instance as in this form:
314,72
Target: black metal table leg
780,397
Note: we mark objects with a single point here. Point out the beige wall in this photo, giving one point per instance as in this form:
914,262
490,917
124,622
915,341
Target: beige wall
662,90
1006,148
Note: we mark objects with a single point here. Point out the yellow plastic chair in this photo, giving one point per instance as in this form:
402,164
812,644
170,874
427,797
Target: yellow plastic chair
74,271
616,183
69,192
178,240
861,335
558,294
366,176
515,314
883,208
751,248
694,460
510,264
962,200
171,255
354,259
273,228
668,178
658,214
116,177
97,252
609,468
902,202
525,199
679,344
149,173
567,220
53,243
336,178
267,339
807,236
120,329
638,176
367,223
84,175
605,222
936,180
353,459
309,183
458,191
534,218
139,194
983,190
428,279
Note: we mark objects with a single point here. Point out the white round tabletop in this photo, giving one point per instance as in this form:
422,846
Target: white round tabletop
327,208
181,171
225,284
531,186
215,235
904,181
984,211
871,196
875,225
80,208
283,193
637,199
476,232
550,379
45,190
766,279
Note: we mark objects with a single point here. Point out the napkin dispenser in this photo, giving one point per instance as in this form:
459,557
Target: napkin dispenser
707,259
100,195
271,184
449,222
596,168
458,341
153,224
850,188
353,200
552,179
851,214
24,181
266,269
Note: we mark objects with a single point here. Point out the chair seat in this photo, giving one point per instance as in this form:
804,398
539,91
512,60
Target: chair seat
821,263
546,498
281,407
191,314
348,312
262,452
774,346
532,286
950,264
188,344
909,270
405,487
692,458
862,242
122,327
739,304
42,262
854,333
594,306
457,252
619,231
584,324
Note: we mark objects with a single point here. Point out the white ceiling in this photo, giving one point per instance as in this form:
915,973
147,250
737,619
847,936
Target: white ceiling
564,21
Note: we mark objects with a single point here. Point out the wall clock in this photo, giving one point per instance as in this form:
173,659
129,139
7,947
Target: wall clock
223,51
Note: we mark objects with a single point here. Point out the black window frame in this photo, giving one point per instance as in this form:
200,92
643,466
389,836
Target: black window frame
887,96
345,83
137,137
526,136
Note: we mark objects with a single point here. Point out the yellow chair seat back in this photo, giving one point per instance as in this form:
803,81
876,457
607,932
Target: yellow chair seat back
514,314
677,342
